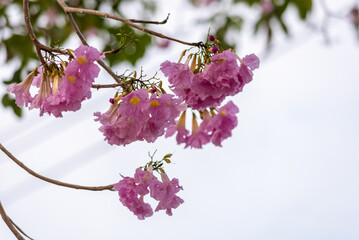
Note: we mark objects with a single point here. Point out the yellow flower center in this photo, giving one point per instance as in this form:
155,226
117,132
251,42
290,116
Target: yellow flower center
82,60
223,113
147,176
182,121
135,100
221,60
154,103
55,84
71,79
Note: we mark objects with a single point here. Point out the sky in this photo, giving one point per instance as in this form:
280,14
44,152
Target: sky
290,171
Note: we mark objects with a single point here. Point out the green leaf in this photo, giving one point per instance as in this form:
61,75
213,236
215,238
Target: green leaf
303,6
7,101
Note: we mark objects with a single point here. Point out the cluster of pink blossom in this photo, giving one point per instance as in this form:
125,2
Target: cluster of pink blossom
60,91
207,88
212,128
138,117
132,192
221,78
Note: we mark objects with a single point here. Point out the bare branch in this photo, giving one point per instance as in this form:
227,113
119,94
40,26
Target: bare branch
68,9
150,22
46,179
9,223
38,46
98,86
20,230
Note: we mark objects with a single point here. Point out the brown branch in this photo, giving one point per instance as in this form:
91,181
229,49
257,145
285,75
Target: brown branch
38,46
46,179
150,22
98,86
9,223
30,31
20,230
116,50
68,9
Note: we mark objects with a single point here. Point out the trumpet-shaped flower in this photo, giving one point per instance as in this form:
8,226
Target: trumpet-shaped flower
165,192
223,123
221,78
132,191
22,90
138,117
129,197
60,91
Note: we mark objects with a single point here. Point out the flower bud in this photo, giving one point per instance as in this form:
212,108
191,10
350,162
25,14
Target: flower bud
214,49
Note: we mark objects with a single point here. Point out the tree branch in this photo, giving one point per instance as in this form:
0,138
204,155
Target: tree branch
20,230
9,223
38,46
68,9
150,22
46,179
98,86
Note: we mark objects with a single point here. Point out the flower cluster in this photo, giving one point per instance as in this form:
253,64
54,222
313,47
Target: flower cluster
134,116
205,83
61,88
213,129
219,79
132,191
138,117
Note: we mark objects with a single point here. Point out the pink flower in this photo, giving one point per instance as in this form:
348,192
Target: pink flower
200,135
179,76
245,74
223,123
180,128
212,129
127,191
138,118
22,90
221,78
198,139
133,190
165,193
163,112
144,179
60,91
75,86
135,105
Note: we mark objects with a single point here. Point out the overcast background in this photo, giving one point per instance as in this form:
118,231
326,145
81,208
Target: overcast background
290,171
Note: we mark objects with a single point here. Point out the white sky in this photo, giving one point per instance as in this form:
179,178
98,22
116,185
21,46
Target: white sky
290,171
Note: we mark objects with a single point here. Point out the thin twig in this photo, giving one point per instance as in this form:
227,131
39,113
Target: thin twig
9,223
98,86
69,185
38,46
116,50
150,22
20,230
30,31
68,9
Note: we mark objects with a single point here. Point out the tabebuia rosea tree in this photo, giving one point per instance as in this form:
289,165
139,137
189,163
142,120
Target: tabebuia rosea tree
140,109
